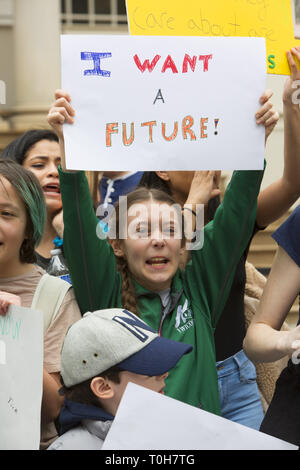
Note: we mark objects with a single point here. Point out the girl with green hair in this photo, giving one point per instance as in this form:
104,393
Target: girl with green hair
22,220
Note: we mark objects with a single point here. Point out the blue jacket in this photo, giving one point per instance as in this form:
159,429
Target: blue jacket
83,427
110,190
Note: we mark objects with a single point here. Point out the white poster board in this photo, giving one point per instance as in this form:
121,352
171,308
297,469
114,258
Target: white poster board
147,420
163,103
21,376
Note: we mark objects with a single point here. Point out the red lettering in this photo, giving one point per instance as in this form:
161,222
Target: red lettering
111,128
146,63
169,64
203,128
187,60
187,123
175,131
150,124
205,59
131,138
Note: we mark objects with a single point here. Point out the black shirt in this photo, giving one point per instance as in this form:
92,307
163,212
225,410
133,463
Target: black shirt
231,330
41,261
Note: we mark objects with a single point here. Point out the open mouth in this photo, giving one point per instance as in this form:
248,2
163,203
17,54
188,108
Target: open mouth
157,262
51,188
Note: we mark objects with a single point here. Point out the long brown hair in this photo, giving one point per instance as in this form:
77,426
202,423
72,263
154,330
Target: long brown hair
141,194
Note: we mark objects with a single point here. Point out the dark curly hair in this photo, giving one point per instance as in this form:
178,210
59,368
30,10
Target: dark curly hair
17,149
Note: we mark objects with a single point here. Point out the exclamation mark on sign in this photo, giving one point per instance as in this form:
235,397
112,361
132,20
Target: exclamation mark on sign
216,125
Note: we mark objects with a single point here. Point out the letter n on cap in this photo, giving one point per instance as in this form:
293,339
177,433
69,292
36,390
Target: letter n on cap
134,325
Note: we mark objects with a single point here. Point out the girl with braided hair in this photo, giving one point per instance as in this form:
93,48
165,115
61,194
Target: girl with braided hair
139,267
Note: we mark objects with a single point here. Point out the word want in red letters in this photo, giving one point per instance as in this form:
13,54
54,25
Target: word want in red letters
188,63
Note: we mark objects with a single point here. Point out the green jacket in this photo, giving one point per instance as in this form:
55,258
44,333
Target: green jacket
199,292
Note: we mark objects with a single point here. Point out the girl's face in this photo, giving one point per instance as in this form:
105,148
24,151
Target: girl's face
152,245
13,221
43,159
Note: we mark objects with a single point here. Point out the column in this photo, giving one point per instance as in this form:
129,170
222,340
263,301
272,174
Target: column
37,60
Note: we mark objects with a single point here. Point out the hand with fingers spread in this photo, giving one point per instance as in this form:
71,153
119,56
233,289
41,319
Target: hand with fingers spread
267,114
6,300
204,187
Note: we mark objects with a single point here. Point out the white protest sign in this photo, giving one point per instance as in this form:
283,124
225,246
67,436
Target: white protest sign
21,376
147,420
163,103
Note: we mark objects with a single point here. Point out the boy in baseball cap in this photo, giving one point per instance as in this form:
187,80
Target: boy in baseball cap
101,353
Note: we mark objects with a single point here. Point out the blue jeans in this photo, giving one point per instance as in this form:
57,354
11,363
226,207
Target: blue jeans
239,395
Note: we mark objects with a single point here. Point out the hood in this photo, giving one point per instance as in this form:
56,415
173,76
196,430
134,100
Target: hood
72,414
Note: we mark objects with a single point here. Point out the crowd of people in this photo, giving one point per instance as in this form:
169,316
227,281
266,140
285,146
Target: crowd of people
144,308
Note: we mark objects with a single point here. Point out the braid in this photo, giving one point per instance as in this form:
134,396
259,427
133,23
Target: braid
128,291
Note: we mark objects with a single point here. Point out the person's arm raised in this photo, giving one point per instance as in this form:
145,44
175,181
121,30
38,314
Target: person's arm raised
91,260
228,235
278,197
267,115
61,112
201,191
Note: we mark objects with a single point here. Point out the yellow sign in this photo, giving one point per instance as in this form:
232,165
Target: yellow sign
271,19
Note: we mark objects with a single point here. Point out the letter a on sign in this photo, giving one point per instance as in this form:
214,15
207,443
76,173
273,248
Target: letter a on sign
159,96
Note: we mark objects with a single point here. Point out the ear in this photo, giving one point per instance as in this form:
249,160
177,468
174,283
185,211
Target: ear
102,388
163,175
117,246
